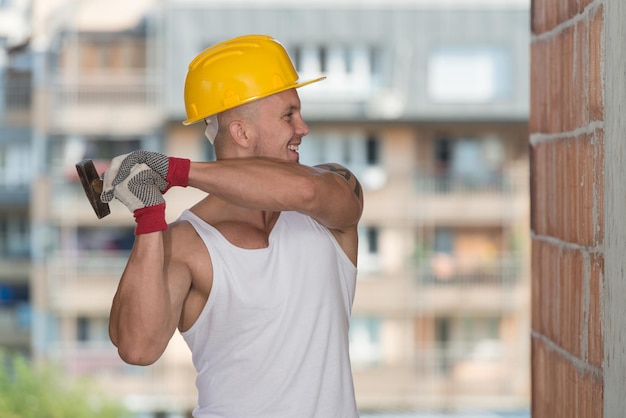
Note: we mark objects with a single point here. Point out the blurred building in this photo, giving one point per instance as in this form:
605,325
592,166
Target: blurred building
16,172
427,102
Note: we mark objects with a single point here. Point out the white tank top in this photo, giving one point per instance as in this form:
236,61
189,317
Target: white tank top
272,339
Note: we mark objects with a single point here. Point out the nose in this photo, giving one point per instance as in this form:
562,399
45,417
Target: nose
302,128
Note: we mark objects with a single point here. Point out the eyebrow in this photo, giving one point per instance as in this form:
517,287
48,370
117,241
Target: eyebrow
291,108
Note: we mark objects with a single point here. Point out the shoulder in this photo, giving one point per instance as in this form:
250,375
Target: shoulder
346,174
182,242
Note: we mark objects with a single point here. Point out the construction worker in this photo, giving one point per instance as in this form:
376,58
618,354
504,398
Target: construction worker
259,276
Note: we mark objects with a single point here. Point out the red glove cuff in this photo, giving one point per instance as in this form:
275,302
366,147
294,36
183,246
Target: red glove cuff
150,219
177,172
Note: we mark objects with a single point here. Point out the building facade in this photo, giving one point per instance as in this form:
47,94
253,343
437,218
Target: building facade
15,176
425,101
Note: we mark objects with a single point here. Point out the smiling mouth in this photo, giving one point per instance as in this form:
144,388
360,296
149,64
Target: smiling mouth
293,147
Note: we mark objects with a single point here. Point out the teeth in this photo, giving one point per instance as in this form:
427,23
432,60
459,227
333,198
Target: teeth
293,147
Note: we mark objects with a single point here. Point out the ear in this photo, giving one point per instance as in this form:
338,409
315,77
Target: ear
239,133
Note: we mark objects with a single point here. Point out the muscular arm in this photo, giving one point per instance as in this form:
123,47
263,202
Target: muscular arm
328,193
147,306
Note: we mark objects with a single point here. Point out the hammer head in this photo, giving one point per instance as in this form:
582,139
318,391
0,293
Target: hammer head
92,184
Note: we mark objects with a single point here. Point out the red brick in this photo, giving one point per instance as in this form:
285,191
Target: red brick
557,291
538,87
569,302
585,3
540,188
598,193
566,180
566,10
580,69
560,389
554,70
595,89
552,14
581,186
537,17
565,42
595,344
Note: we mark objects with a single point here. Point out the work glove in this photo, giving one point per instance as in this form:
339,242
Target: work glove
142,193
175,171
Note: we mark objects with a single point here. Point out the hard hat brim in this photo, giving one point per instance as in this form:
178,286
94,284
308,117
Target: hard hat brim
252,99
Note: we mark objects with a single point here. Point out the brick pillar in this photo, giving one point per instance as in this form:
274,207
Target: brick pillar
567,207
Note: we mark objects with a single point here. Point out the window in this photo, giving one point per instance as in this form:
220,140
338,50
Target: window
444,240
372,240
360,152
355,150
442,337
296,58
468,163
323,59
442,153
82,329
467,339
372,151
105,239
92,329
469,75
365,342
13,294
75,148
15,165
15,235
369,256
352,70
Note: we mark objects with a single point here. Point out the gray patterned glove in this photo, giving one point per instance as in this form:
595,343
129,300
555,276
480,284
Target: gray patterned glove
142,193
175,171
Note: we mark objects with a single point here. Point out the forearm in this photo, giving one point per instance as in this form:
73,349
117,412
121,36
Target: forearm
255,183
271,185
140,321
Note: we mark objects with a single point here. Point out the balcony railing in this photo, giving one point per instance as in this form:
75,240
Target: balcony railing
449,184
107,89
15,325
17,91
442,269
171,378
486,368
86,265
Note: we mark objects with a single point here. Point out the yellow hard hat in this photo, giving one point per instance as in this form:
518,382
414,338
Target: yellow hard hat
235,72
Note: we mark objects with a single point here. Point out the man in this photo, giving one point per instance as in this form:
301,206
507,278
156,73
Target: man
259,276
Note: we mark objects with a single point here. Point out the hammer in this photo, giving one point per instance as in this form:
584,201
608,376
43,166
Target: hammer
92,184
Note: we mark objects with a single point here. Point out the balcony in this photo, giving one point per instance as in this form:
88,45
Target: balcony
451,281
171,380
16,196
122,103
84,281
443,283
472,200
488,373
426,199
15,110
15,323
14,268
442,269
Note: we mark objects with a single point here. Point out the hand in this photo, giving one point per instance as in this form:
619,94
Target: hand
175,171
142,193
